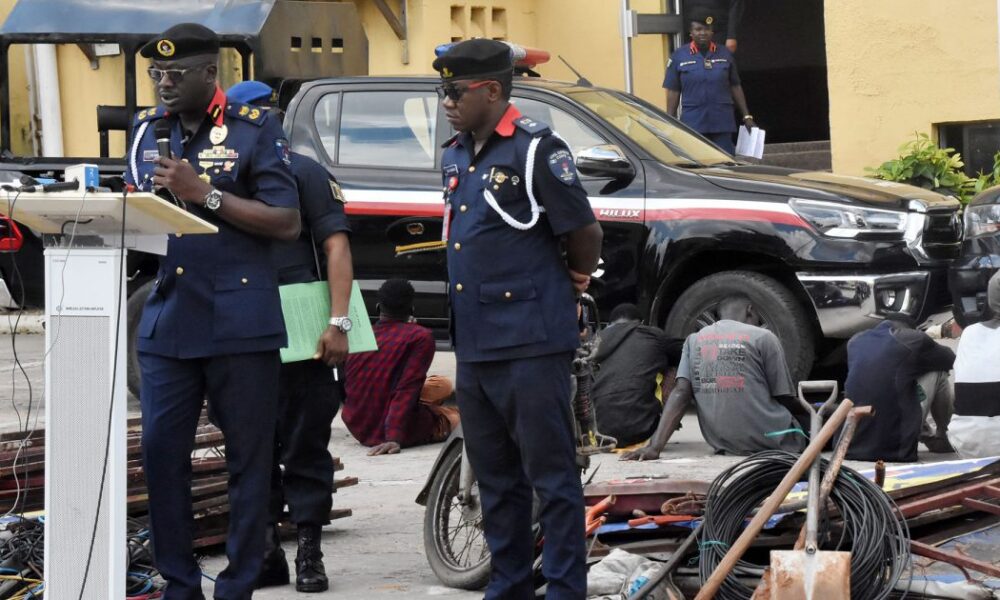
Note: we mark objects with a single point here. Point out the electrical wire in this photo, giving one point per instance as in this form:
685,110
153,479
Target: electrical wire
24,427
867,525
111,400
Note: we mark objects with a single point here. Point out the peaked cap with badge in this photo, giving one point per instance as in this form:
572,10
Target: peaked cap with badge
701,15
475,59
181,41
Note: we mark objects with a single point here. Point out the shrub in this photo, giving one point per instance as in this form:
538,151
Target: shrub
922,163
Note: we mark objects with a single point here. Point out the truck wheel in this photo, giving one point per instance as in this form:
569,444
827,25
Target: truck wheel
134,312
778,309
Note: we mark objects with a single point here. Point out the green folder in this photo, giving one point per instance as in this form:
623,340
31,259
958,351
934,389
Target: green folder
307,313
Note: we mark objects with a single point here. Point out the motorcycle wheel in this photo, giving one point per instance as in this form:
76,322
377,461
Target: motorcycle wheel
454,541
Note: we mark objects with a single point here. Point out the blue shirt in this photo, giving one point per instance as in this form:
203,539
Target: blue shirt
510,292
706,94
217,294
322,206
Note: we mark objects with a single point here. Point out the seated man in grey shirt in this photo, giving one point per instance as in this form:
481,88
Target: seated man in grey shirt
736,374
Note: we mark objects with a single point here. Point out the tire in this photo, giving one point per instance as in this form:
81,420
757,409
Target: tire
779,310
133,313
443,539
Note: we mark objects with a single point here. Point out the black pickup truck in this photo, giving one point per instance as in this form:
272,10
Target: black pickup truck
822,256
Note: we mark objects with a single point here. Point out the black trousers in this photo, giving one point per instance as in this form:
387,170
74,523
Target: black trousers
518,435
242,392
302,475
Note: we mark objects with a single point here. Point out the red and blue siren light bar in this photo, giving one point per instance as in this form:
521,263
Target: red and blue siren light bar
520,55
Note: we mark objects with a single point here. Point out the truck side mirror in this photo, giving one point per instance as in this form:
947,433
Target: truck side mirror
605,160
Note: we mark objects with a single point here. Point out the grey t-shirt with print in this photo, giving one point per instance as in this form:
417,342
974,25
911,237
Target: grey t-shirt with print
735,371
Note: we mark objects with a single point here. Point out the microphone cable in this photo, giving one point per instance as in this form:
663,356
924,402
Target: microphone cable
25,427
111,402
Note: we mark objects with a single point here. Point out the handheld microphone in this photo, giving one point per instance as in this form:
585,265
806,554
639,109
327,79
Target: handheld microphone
162,131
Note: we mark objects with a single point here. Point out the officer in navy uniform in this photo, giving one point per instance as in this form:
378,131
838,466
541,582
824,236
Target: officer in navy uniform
212,325
310,394
513,204
702,79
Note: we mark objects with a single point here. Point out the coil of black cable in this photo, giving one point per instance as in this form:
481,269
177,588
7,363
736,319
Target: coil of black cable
866,526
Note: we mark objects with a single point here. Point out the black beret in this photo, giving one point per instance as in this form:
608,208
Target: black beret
475,59
701,15
181,41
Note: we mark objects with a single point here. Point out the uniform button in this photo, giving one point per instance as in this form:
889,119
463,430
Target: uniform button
243,281
496,187
507,295
458,287
180,235
472,169
463,208
458,246
180,270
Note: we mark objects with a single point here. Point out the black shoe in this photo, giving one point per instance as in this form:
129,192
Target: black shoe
937,444
274,571
310,574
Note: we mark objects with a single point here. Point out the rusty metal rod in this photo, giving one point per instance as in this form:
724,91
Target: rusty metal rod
928,551
952,497
836,461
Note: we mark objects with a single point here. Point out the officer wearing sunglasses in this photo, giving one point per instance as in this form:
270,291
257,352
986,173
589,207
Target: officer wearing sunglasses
212,325
513,201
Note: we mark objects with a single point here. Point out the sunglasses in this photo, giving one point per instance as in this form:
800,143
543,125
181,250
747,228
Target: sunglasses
174,74
455,93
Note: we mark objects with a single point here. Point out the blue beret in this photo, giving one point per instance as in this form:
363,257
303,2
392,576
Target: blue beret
250,92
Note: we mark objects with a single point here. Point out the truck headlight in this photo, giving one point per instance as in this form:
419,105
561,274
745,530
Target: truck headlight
982,219
846,221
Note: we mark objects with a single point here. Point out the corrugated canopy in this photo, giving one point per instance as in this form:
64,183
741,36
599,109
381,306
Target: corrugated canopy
39,21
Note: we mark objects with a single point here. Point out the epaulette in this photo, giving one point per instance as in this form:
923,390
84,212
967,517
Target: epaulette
450,141
149,114
532,126
253,114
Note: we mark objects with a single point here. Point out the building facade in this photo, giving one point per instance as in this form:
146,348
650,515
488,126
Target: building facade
862,75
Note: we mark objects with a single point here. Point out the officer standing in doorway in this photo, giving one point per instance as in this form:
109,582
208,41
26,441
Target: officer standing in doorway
212,325
513,201
310,394
702,79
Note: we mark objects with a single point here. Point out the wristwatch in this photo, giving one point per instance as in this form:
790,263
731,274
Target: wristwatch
213,200
344,324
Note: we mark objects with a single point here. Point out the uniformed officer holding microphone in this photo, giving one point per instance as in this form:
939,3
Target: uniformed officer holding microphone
212,325
522,240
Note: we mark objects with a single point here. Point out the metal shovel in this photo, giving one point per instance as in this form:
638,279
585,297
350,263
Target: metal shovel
810,574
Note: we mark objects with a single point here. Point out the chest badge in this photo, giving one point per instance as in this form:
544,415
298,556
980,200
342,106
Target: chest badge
499,177
218,134
708,64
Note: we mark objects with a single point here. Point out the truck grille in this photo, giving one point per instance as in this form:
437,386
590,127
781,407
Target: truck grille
943,234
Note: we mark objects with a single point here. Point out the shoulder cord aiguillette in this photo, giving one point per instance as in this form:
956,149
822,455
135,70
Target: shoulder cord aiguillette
135,151
529,175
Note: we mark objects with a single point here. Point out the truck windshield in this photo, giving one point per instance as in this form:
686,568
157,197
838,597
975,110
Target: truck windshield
663,138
